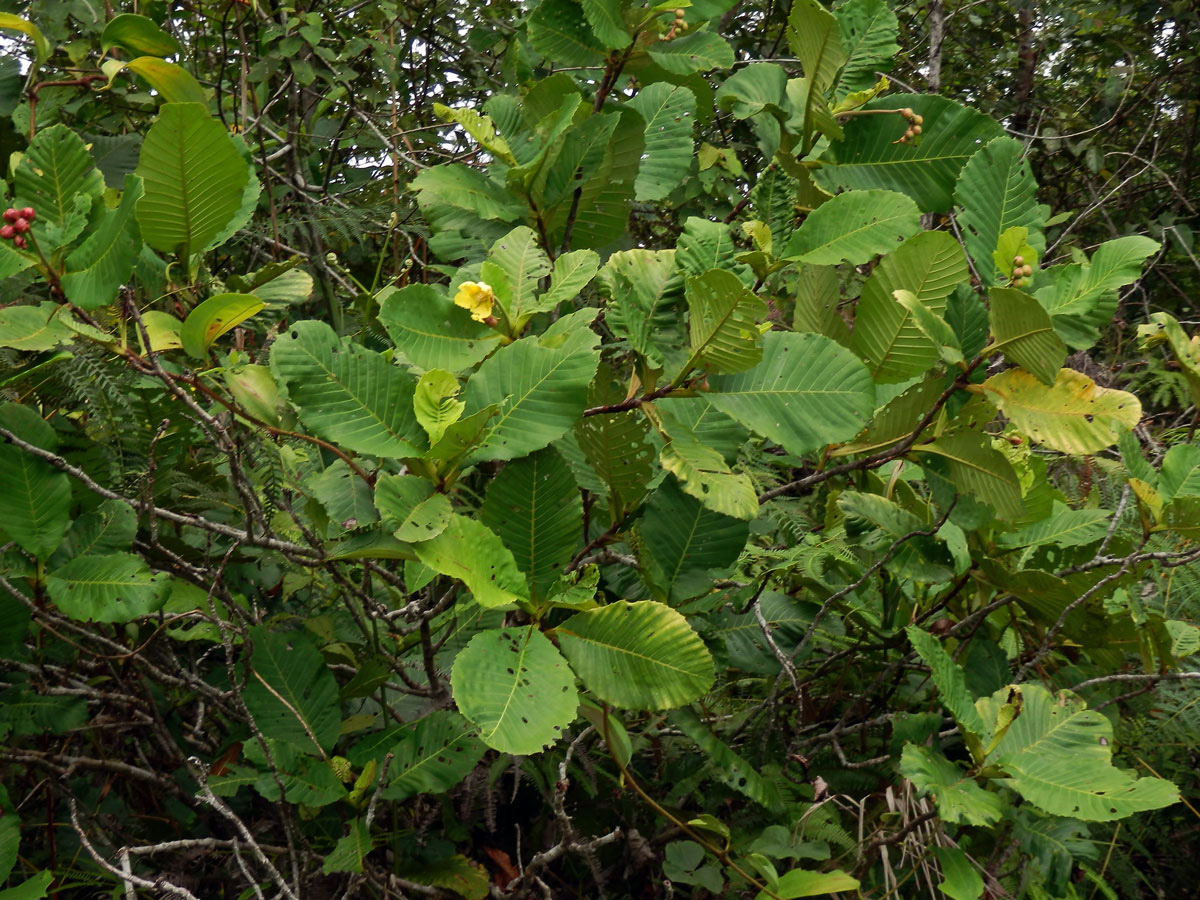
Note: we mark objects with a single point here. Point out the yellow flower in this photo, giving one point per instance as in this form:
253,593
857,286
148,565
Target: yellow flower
477,297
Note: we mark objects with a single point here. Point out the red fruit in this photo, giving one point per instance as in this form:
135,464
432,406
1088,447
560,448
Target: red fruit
19,241
29,213
11,215
21,226
7,232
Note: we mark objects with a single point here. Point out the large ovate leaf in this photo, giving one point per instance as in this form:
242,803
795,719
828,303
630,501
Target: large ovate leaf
515,686
559,31
214,317
471,552
854,227
290,691
683,539
929,265
535,508
807,392
138,35
617,447
346,393
431,331
668,111
996,191
1024,333
1058,755
1074,415
193,176
173,83
540,384
432,755
977,470
1065,527
698,51
644,293
869,157
116,588
640,655
722,323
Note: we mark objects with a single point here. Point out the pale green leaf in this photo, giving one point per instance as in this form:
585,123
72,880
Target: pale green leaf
431,331
515,686
472,553
138,35
668,111
637,655
37,497
722,323
97,268
115,588
697,51
704,474
1023,331
959,799
854,227
949,678
214,317
435,403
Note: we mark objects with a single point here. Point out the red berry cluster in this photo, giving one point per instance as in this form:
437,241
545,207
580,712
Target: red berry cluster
16,223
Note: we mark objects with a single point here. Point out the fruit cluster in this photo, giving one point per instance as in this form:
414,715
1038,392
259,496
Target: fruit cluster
16,223
914,125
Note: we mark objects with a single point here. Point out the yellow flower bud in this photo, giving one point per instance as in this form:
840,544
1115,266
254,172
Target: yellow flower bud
477,297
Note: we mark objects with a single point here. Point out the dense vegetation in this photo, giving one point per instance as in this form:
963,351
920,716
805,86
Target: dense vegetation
596,449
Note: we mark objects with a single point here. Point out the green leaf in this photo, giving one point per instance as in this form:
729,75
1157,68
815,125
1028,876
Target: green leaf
818,301
346,393
605,199
978,470
868,157
515,686
58,178
174,84
432,755
30,713
349,851
514,268
540,384
460,187
9,22
37,497
408,503
435,403
1083,298
728,767
535,508
869,29
637,655
961,881
705,245
815,38
722,322
996,191
668,111
571,274
807,392
682,540
465,877
854,227
34,888
881,523
104,261
949,678
930,265
194,178
1024,333
10,834
290,691
1065,527
471,552
138,35
480,128
109,528
698,51
934,327
431,331
347,498
618,448
703,473
33,328
959,799
559,32
604,16
753,89
643,291
214,317
115,588
799,883
1073,416
1180,473
1058,756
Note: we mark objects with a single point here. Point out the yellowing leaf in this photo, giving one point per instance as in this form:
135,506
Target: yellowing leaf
1074,415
